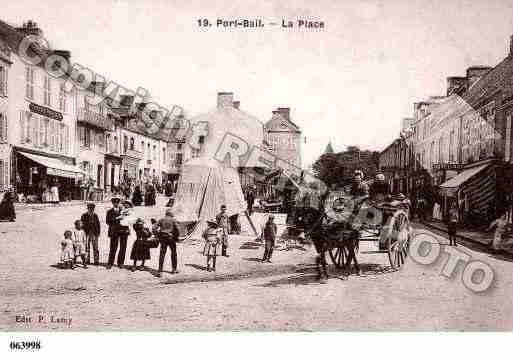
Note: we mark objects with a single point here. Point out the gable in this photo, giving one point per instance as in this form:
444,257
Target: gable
279,124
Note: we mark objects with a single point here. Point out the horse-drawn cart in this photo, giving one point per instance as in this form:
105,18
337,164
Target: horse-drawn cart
346,220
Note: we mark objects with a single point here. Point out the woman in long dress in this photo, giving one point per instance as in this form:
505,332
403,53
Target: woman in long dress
54,190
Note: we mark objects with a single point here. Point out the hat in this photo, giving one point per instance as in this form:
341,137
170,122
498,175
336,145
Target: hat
139,221
115,199
169,212
223,206
271,216
212,223
91,205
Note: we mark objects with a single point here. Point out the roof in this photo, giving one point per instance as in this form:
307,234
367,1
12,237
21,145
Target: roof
277,119
463,177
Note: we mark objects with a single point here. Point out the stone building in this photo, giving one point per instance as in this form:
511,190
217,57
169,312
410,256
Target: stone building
283,136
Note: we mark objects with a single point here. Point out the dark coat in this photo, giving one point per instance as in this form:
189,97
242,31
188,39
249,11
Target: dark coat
91,223
115,227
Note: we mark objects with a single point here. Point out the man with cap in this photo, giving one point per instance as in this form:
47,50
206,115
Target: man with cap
168,235
223,223
91,226
117,233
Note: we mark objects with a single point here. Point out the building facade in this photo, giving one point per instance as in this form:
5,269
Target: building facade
283,136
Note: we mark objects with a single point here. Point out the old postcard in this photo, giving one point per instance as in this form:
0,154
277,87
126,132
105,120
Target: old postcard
255,166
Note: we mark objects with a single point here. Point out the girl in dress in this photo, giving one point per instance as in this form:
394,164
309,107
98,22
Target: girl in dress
67,253
141,246
79,242
212,236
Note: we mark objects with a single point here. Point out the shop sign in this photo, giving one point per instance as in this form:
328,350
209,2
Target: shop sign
45,111
448,166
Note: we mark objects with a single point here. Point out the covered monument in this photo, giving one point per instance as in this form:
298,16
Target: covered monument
206,183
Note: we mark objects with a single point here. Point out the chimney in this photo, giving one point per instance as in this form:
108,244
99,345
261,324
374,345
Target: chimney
236,104
285,112
455,83
224,99
474,73
63,53
30,28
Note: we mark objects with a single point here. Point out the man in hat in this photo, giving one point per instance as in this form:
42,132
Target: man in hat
91,227
116,233
168,235
223,223
250,199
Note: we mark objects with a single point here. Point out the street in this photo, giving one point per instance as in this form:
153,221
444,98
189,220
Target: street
244,294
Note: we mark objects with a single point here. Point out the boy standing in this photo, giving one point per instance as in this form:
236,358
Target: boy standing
91,226
79,242
223,223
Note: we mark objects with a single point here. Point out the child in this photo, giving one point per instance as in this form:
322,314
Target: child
79,243
140,248
212,236
67,253
500,225
270,230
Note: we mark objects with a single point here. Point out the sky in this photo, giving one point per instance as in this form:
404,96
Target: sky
350,83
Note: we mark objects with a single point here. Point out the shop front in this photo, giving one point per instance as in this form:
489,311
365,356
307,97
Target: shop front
112,172
38,173
130,160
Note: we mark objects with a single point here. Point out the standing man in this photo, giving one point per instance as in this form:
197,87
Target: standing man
117,233
270,231
168,235
223,223
91,227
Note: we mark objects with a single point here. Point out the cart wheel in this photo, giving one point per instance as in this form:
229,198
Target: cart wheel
338,256
398,239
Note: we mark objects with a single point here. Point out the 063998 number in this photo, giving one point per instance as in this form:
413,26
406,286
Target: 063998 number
25,345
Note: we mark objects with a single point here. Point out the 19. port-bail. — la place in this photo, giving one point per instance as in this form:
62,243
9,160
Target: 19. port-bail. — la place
302,24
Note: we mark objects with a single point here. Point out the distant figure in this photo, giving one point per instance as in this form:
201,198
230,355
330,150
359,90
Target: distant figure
270,231
212,236
500,225
7,211
358,187
379,188
54,191
452,224
137,198
250,199
223,222
169,188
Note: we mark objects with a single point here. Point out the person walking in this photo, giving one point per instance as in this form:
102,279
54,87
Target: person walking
222,221
270,230
141,247
168,235
452,224
7,211
91,226
117,233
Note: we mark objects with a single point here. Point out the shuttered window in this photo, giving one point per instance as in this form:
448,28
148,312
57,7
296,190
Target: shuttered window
29,80
3,127
3,81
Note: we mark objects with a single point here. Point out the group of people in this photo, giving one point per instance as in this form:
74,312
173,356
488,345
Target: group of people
80,244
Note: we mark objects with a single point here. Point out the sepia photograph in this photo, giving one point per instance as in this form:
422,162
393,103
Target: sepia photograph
255,166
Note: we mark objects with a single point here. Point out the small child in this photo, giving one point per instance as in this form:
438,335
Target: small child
79,243
140,248
500,225
67,253
212,236
270,231
452,224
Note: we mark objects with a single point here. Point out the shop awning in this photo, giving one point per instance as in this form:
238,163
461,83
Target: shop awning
450,187
55,167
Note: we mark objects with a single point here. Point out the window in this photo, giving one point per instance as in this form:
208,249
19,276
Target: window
47,91
62,98
29,81
195,153
46,138
108,145
154,152
132,143
62,135
179,146
101,139
66,146
4,174
41,132
142,146
116,144
163,155
3,128
85,136
201,140
3,81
